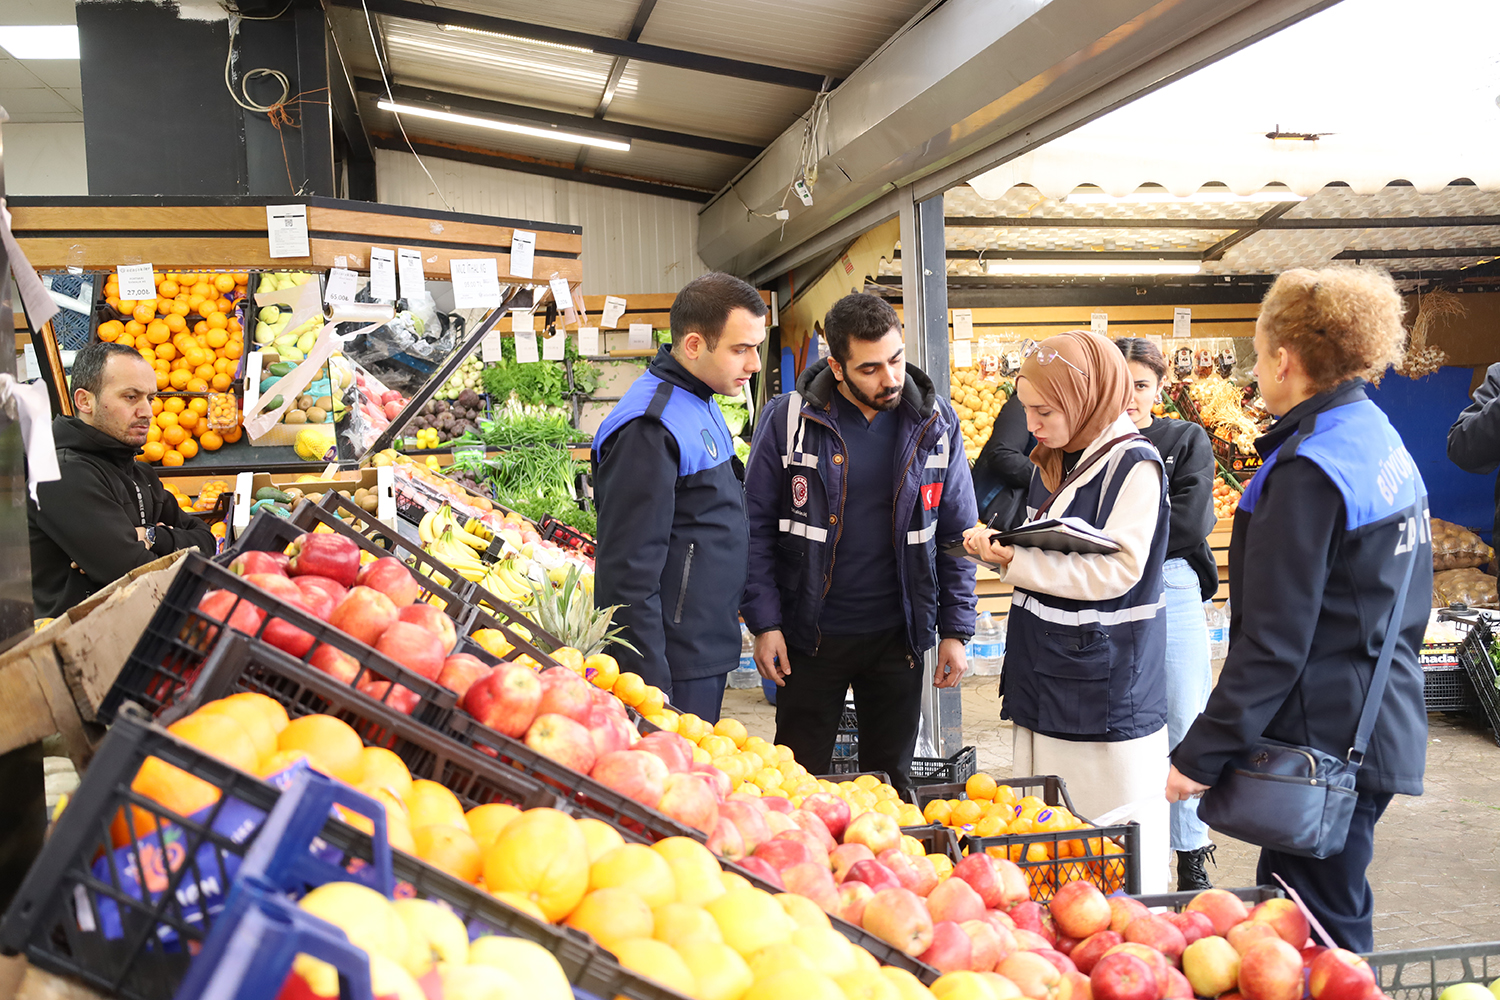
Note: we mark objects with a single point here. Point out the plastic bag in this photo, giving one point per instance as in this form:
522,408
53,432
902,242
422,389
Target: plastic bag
1469,586
1455,547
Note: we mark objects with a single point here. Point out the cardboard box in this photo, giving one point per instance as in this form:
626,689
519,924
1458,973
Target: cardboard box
380,479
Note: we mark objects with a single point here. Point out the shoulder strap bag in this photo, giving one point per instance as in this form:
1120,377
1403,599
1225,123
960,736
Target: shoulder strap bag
1296,799
1085,466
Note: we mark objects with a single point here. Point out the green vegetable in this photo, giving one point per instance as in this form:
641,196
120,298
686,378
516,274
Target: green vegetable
742,449
736,415
539,383
511,430
272,493
536,481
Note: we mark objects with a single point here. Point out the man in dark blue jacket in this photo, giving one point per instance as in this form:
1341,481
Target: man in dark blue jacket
672,543
855,481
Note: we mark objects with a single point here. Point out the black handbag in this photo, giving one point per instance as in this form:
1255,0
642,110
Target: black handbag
1296,799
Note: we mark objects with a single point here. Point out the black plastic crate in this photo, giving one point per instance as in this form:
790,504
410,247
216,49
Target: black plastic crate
79,913
945,770
1449,690
179,637
1474,654
937,839
1048,787
1423,973
1179,900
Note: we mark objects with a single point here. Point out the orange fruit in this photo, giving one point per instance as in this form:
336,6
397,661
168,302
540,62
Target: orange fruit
198,405
197,385
216,324
639,869
163,379
168,287
179,378
542,857
610,916
211,441
652,702
175,404
937,811
154,450
332,746
732,728
449,849
180,309
252,719
233,350
966,812
269,708
188,449
173,435
110,331
630,689
233,434
980,786
487,822
602,670
224,282
144,312
171,457
188,419
600,837
205,370
221,382
200,327
166,352
163,306
433,805
655,960
175,323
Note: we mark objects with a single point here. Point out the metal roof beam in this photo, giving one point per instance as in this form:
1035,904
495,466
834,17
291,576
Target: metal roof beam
1416,254
1409,222
582,123
716,65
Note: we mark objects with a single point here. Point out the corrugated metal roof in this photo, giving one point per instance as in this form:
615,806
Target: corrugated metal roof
702,104
597,17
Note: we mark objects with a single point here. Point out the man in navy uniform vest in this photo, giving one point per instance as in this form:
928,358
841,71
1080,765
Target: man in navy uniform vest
673,543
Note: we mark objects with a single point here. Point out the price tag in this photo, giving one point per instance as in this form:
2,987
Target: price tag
963,354
476,283
33,370
640,336
522,253
382,274
963,324
286,228
561,293
413,282
526,348
614,308
1099,323
1182,320
490,350
553,347
522,321
136,281
340,261
588,341
340,290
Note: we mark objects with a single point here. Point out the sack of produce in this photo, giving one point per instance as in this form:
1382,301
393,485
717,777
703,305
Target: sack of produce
1469,586
1455,547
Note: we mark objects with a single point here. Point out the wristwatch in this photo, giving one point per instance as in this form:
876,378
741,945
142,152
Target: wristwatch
151,536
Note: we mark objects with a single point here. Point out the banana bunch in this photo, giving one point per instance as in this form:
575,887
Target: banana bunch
508,583
456,555
435,522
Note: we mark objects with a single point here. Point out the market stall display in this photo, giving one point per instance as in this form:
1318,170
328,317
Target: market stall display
977,395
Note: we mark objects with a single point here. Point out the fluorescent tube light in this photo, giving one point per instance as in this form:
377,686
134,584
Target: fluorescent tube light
537,132
1071,268
1203,197
515,38
40,41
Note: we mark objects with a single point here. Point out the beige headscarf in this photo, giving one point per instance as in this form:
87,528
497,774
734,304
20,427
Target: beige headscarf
1091,398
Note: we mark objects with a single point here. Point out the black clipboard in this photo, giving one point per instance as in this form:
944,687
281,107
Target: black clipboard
1064,534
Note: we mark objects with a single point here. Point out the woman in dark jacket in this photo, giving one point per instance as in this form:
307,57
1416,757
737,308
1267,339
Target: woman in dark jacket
1191,577
1323,538
1002,472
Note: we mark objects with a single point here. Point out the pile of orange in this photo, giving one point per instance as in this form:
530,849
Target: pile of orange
190,335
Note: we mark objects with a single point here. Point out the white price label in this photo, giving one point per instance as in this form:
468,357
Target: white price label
522,253
341,287
561,293
33,370
963,354
286,229
1099,323
614,308
136,281
382,274
476,283
526,348
490,349
640,336
588,341
1182,320
963,324
553,347
340,261
413,282
522,321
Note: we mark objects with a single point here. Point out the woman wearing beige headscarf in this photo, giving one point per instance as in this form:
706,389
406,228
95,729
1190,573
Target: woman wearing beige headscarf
1085,672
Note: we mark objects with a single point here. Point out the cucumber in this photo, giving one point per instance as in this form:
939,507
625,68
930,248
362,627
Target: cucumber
272,493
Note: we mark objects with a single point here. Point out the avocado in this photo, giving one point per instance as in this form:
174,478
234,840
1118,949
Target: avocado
281,368
272,493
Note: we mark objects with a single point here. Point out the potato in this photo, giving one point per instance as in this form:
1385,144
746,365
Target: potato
369,502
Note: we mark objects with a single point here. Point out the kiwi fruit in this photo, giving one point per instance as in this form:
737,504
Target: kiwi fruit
295,417
305,402
324,403
316,415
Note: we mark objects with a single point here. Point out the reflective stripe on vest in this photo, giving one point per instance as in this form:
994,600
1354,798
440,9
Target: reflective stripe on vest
806,531
1088,616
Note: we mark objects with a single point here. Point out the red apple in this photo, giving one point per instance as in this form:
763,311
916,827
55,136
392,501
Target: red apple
566,693
316,602
815,827
954,900
901,866
1153,958
1211,965
247,563
402,699
845,856
1075,986
611,733
365,614
777,803
874,874
675,752
324,554
746,816
1177,987
1007,936
1004,988
1032,916
415,648
781,854
852,899
814,881
1030,940
505,699
460,671
691,800
1013,881
1271,969
1086,953
1066,944
1222,907
390,576
979,871
877,831
335,663
1033,975
1000,919
1080,909
430,618
778,822
761,869
1309,953
1287,917
276,585
1059,961
1123,977
1341,975
926,874
336,591
1249,932
563,740
1123,912
721,782
950,950
898,917
725,840
280,633
1157,932
633,773
984,945
1193,925
832,810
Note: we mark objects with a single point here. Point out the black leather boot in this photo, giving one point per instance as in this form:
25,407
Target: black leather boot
1192,876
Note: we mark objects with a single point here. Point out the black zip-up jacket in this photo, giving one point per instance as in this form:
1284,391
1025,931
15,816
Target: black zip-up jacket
673,541
1474,438
89,517
1191,469
1002,470
1313,573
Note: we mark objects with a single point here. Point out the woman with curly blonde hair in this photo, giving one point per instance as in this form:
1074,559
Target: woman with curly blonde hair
1325,535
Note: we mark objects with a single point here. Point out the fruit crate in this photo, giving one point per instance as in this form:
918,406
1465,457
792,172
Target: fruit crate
1423,973
179,637
81,912
1474,654
1449,690
937,839
945,770
1179,900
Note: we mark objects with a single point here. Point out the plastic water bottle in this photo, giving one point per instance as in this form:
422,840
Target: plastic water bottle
987,648
745,675
1218,630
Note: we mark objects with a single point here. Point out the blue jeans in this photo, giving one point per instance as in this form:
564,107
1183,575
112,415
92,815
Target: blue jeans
1189,678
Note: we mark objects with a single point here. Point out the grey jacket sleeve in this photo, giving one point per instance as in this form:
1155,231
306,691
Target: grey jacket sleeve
1474,438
